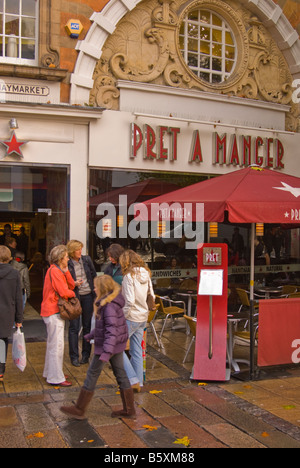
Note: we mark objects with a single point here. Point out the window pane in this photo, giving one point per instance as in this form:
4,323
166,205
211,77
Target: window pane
1,5
28,7
216,21
12,6
12,47
28,27
11,25
28,49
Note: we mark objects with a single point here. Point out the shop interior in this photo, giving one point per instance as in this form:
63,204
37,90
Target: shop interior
33,203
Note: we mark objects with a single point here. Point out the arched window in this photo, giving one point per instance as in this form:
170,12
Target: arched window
208,46
19,21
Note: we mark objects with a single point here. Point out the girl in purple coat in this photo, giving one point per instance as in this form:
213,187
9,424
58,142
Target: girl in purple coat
110,335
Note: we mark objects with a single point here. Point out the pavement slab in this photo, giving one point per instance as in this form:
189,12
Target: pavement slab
259,414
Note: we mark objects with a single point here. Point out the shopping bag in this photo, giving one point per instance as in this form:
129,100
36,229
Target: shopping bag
19,350
2,352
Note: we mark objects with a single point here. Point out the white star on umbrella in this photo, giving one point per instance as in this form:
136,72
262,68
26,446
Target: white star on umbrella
287,188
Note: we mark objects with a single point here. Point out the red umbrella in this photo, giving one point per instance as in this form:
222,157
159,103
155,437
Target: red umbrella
251,195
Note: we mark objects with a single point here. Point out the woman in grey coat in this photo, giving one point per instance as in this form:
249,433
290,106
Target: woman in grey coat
11,304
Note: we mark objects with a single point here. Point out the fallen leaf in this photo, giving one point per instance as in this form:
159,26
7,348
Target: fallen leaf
202,384
118,393
247,386
154,392
289,407
150,428
265,434
38,435
90,441
184,441
239,393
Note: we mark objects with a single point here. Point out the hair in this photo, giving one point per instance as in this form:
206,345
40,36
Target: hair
130,260
5,254
115,251
57,254
72,246
10,240
106,289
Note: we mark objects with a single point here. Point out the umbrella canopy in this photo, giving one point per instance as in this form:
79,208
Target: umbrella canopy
251,195
137,192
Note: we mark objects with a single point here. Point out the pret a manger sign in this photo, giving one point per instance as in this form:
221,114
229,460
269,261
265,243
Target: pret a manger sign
162,144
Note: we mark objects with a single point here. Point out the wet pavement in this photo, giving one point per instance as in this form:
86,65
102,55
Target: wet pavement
173,412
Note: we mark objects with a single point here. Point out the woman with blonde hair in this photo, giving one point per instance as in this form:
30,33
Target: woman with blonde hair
110,336
58,282
136,287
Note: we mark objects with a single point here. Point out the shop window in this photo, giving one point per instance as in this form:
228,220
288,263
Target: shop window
19,21
208,46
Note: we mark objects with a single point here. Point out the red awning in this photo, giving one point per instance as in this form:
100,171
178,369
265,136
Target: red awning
251,195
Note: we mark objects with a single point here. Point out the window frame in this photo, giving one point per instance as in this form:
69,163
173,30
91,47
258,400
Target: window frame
19,60
186,53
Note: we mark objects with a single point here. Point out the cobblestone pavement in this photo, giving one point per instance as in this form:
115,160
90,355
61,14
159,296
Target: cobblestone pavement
173,412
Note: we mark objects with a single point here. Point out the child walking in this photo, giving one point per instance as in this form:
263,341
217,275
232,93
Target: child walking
110,335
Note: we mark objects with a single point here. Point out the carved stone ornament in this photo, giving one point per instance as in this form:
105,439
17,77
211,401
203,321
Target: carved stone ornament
145,48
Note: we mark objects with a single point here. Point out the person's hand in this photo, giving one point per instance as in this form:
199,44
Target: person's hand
78,283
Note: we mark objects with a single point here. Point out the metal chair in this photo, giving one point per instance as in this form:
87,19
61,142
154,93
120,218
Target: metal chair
192,322
151,319
171,310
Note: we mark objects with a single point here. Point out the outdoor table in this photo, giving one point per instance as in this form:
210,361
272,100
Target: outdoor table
233,363
268,291
189,295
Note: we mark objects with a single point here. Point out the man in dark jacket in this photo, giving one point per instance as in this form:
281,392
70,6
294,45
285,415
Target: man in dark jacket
11,303
83,272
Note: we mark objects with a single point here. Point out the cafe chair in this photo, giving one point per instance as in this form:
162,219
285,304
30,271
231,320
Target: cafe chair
151,318
294,296
171,310
287,290
188,284
192,323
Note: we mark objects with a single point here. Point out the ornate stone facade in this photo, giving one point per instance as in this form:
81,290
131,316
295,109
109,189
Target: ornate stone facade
145,48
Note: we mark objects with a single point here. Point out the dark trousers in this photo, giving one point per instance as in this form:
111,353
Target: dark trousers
87,304
96,368
3,358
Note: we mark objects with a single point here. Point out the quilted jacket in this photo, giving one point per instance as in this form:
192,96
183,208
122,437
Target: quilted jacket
111,332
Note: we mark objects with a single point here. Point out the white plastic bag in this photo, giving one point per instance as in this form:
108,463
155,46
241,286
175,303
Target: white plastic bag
19,350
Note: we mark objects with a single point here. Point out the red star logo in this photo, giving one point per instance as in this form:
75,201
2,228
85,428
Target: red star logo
13,145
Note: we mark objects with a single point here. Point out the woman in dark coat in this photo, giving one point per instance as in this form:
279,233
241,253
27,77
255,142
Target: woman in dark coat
110,337
11,303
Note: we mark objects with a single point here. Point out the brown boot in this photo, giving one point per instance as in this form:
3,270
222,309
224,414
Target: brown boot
78,410
128,410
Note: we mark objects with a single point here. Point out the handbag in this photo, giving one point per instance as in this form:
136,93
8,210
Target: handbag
150,300
69,309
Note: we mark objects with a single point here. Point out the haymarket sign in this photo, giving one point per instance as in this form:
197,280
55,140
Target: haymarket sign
161,143
24,89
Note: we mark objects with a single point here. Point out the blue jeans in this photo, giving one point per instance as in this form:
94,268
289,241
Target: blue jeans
134,366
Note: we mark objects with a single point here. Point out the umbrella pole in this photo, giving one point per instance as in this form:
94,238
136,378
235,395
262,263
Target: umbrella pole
252,269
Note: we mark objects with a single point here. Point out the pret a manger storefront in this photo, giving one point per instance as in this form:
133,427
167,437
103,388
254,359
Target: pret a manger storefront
177,137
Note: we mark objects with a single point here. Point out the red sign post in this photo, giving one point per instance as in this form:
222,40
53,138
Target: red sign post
211,337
